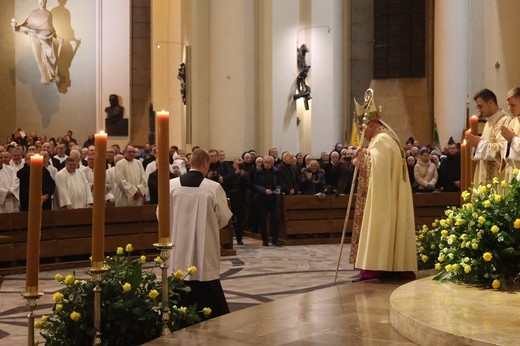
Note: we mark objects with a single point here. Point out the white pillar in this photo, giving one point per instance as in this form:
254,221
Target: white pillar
451,72
232,76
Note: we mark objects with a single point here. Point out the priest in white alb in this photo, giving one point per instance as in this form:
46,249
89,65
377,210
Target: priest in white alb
130,177
9,189
72,188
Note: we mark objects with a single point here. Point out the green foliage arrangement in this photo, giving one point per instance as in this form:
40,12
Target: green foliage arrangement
130,305
478,243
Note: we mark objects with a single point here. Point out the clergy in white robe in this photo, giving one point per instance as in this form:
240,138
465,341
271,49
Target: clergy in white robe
199,210
129,175
72,187
387,235
9,189
489,146
511,133
112,190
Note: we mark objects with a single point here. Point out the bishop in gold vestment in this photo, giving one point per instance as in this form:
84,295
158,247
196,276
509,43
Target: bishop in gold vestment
387,236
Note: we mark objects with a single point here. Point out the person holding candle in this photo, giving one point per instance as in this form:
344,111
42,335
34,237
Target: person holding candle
511,133
489,146
48,185
199,209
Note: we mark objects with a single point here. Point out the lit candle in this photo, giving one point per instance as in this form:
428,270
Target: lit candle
34,224
463,162
473,125
98,212
163,171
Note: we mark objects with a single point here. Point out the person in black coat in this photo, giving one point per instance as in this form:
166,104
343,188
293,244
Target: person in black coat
48,186
449,170
268,188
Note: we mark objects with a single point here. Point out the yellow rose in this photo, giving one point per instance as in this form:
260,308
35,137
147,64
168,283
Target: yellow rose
57,297
495,180
443,222
515,172
178,274
424,258
444,233
37,324
459,222
465,195
58,277
467,269
438,266
441,258
469,205
503,183
448,221
474,246
129,248
455,267
58,307
191,270
142,259
481,220
44,318
206,311
498,198
127,287
75,316
496,284
183,310
487,203
433,246
517,224
153,294
483,189
487,256
119,250
158,260
448,268
69,280
495,229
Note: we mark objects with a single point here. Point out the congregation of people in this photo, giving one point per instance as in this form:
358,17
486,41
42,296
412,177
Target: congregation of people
253,183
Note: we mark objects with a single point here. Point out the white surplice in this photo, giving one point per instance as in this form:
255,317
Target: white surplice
129,176
197,215
8,183
72,189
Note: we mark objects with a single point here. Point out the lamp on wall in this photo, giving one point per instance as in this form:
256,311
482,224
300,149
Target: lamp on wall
311,27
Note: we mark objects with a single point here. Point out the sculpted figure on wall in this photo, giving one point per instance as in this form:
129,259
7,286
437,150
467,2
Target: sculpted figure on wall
38,26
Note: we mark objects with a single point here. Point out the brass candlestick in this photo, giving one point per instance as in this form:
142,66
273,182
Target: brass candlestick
165,306
31,295
97,272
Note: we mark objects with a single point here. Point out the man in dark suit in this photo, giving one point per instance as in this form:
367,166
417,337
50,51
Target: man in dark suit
48,185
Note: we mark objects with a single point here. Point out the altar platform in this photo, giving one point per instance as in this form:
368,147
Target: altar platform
371,312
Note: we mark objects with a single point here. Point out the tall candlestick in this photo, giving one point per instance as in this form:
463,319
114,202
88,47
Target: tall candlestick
469,163
34,224
473,125
163,171
463,162
98,212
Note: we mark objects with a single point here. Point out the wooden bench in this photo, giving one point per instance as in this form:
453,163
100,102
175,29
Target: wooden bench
66,235
312,220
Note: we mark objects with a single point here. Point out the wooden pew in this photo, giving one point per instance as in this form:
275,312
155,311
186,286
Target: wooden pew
316,220
66,235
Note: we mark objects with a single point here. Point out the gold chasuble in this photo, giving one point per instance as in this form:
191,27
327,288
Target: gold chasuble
387,235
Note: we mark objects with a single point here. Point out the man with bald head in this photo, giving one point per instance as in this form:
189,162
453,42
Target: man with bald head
130,177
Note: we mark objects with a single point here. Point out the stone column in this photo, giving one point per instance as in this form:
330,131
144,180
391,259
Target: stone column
451,72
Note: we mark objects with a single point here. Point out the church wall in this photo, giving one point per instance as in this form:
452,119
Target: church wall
7,80
48,109
502,44
232,78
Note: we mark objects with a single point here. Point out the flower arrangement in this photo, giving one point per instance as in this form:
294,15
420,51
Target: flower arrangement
478,243
130,305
